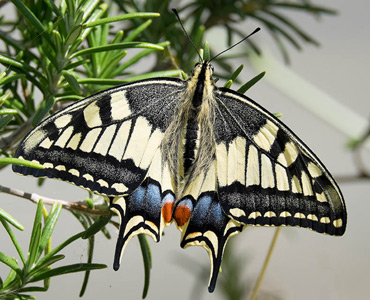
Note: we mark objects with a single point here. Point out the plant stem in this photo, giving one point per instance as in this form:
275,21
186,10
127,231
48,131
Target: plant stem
265,264
33,197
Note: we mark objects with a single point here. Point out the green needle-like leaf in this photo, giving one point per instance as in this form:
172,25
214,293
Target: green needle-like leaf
49,227
134,33
121,18
46,263
5,121
10,219
245,87
96,227
117,47
44,108
20,162
35,236
236,73
147,259
72,81
66,270
11,234
10,262
11,78
28,14
60,247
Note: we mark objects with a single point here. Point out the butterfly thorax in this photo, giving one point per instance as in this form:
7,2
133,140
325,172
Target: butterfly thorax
188,146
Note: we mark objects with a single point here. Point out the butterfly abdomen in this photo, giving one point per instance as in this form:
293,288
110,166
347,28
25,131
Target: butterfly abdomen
190,143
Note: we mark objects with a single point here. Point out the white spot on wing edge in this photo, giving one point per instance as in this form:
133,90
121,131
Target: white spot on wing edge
48,165
312,217
285,214
338,223
299,216
269,214
102,183
120,187
74,172
254,215
60,168
325,220
237,212
88,177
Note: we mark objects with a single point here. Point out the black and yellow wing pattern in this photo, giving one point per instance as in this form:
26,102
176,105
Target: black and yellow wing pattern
208,158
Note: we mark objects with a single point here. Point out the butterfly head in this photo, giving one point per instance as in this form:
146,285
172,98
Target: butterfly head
203,70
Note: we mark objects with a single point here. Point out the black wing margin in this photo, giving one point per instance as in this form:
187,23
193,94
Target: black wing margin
267,175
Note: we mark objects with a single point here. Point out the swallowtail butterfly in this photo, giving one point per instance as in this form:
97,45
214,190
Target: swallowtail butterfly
208,158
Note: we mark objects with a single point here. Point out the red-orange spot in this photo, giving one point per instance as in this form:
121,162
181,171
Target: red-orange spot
182,214
167,212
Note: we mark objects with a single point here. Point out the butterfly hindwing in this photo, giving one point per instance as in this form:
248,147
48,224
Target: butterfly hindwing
267,176
203,222
106,142
148,209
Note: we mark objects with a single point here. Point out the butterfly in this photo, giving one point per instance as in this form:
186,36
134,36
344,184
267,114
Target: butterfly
208,158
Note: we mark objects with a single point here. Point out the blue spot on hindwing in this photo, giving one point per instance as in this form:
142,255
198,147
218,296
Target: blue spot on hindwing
201,210
217,216
153,202
137,197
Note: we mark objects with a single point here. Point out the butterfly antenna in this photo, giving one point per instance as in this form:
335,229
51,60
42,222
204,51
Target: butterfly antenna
182,26
255,31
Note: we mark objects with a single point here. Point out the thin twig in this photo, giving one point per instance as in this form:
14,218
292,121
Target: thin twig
33,197
265,264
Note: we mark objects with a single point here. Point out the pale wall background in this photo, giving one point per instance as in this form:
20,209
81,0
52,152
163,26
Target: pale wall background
305,265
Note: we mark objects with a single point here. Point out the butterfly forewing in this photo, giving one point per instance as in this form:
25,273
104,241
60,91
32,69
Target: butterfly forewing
267,176
106,142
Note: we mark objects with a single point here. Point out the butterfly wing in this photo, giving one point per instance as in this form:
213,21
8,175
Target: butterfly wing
267,176
109,143
262,174
106,142
200,217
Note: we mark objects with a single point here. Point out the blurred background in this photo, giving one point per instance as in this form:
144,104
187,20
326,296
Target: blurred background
305,264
